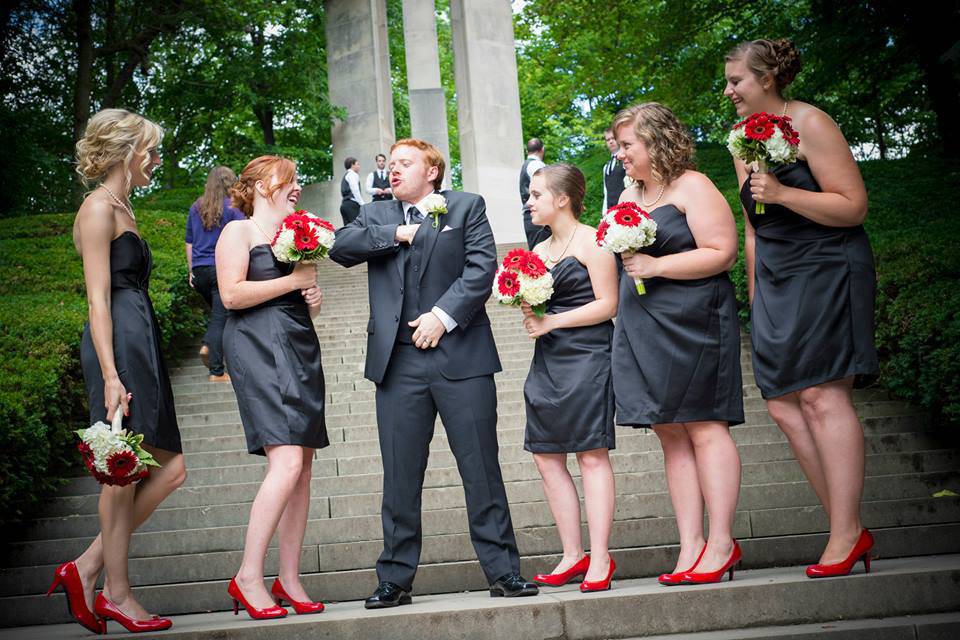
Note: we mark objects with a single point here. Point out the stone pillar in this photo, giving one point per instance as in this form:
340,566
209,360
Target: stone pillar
428,107
358,75
488,110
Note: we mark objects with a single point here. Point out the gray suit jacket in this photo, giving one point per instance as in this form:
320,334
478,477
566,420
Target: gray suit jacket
457,267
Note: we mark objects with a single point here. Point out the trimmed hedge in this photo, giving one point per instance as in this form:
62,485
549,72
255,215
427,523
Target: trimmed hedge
42,313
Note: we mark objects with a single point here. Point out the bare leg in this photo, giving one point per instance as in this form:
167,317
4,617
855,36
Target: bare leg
788,415
718,468
116,526
680,465
293,524
564,504
598,494
837,431
149,494
284,466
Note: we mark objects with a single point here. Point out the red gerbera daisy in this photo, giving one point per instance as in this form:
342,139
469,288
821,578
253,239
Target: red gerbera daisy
759,129
508,284
306,239
602,231
628,216
121,463
320,222
514,258
532,265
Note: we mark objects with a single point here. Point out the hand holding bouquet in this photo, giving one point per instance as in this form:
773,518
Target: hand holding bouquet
302,237
523,277
765,139
626,227
112,455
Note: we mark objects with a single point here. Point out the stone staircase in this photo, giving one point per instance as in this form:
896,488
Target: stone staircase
183,557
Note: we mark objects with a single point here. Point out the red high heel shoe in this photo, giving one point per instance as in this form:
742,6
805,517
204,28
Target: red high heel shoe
280,594
860,550
109,611
67,576
257,614
578,570
693,577
673,579
599,585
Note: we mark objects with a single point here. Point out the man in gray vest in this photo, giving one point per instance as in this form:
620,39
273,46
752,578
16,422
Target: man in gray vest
534,161
378,182
350,191
431,261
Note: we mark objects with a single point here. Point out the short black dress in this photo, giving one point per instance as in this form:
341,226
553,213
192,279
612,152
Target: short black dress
136,349
273,358
812,318
569,392
676,349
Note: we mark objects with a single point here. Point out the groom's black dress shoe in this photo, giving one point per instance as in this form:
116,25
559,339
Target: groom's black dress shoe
387,595
513,585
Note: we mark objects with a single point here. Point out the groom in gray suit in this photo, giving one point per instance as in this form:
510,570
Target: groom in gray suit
431,259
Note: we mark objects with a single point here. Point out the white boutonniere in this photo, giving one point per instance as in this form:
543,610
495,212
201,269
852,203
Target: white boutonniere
628,182
435,204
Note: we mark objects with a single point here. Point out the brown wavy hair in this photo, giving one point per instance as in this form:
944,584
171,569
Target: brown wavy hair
565,179
262,168
779,58
114,136
210,204
668,142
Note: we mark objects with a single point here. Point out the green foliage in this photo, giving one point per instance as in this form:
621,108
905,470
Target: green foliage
42,313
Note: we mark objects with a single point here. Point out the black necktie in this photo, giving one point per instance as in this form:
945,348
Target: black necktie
414,216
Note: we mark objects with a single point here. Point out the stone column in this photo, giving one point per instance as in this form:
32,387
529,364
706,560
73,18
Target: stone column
488,110
428,108
358,75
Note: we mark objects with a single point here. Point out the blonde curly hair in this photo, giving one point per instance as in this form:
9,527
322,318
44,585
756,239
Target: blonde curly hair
668,142
114,136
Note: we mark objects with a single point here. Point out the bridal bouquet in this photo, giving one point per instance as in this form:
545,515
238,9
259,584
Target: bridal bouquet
302,237
112,455
765,139
523,277
626,227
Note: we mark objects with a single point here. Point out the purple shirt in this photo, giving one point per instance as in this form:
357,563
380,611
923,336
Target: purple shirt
205,242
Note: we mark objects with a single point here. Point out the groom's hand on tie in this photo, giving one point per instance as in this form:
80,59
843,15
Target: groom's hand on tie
428,330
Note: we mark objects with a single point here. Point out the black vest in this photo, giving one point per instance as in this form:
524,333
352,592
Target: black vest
383,183
411,288
345,187
613,180
525,183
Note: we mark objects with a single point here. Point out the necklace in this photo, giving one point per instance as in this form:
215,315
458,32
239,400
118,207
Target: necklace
784,108
123,205
260,229
562,253
643,196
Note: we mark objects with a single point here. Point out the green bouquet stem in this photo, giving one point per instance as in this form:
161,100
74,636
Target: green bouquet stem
641,289
539,310
761,168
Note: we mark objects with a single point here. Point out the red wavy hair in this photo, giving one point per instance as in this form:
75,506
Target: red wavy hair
262,168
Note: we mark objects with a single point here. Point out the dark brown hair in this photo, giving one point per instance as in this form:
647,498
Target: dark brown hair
262,168
778,58
565,179
210,204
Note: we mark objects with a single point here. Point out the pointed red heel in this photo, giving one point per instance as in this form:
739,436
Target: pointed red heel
673,579
67,576
709,577
578,570
257,614
301,608
588,586
109,611
860,550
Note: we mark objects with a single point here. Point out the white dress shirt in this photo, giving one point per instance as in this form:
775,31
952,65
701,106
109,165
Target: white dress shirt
534,165
449,323
607,168
369,184
353,179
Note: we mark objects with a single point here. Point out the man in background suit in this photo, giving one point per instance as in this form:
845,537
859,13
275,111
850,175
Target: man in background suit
613,173
378,181
430,349
350,191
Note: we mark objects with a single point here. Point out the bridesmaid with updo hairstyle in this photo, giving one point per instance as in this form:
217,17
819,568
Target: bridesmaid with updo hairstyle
123,368
676,349
811,280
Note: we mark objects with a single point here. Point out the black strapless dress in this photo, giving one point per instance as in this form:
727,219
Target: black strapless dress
812,317
569,392
136,349
273,358
676,349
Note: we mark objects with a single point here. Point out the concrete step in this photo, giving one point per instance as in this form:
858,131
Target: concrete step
633,608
